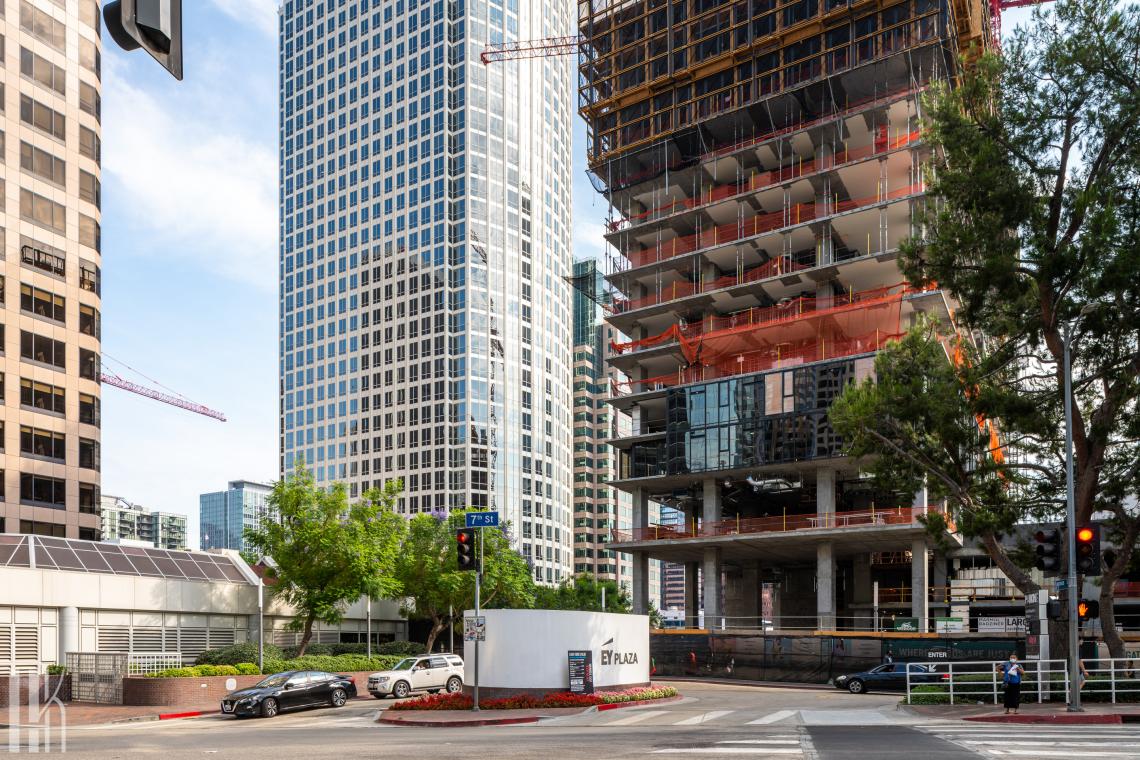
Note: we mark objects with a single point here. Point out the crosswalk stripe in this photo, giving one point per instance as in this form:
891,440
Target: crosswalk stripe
703,718
766,751
1007,741
1060,752
776,716
636,718
788,740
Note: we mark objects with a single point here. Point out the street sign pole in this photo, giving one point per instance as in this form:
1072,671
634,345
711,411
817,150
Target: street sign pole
1071,521
478,576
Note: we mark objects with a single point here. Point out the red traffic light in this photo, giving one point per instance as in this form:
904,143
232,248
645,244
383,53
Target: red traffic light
1085,534
461,537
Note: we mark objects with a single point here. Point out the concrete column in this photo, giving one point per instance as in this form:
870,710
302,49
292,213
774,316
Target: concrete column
640,559
710,575
861,572
711,500
68,632
825,491
825,586
750,593
920,585
825,203
692,594
938,576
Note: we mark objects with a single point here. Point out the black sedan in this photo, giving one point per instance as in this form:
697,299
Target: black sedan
291,690
889,677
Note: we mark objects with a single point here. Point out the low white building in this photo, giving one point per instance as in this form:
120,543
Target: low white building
64,595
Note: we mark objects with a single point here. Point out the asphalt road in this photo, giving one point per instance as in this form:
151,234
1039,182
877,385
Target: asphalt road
716,721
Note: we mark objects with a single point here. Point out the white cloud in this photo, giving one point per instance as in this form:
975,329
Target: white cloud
260,14
190,183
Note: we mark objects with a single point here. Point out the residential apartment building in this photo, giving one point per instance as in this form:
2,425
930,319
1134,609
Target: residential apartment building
121,520
425,241
50,251
224,516
763,162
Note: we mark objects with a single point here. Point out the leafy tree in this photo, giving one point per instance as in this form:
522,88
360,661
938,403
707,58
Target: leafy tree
327,552
1037,234
584,592
436,590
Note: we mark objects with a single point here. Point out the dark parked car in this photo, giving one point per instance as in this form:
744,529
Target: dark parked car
888,677
291,690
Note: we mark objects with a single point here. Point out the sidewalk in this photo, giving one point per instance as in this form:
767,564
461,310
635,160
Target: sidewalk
461,718
89,714
1049,712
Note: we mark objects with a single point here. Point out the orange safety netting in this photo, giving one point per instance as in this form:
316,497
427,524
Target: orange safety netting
776,267
793,322
774,357
984,425
794,214
759,181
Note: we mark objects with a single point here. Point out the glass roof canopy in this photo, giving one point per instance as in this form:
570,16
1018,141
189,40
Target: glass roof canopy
112,559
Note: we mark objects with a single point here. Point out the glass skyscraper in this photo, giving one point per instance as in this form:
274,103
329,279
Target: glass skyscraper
425,241
223,516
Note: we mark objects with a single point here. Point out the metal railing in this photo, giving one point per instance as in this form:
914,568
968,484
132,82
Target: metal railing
980,681
144,663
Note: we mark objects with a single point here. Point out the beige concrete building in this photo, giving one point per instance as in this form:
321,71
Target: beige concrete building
50,55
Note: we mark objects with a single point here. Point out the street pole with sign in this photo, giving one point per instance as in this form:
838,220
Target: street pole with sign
1072,589
478,520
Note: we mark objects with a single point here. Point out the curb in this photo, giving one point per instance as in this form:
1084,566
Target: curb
459,723
191,714
642,703
1053,719
755,684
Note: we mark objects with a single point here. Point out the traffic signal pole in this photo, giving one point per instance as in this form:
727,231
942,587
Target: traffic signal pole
1071,522
478,577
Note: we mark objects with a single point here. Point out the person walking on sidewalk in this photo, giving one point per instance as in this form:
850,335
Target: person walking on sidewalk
1011,671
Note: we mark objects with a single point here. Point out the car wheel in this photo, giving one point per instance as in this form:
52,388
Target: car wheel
338,698
269,708
380,696
400,690
856,687
454,685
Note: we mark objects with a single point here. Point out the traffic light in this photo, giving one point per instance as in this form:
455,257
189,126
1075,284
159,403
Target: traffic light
465,549
154,25
1088,609
1088,550
1049,550
1054,610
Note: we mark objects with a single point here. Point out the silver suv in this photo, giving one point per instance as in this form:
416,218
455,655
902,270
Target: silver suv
430,673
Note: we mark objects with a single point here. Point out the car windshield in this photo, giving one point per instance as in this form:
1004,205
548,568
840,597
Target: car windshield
277,679
405,664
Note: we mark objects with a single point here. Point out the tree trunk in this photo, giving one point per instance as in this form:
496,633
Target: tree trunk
306,637
1001,558
437,627
1107,591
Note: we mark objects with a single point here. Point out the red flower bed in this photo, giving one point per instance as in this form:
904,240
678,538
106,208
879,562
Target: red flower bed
531,702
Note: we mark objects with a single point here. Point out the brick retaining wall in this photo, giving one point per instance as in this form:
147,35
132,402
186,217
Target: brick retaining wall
152,692
44,688
498,692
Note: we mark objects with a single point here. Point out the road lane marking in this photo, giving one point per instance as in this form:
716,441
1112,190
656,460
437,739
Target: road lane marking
788,740
703,718
630,720
766,751
776,716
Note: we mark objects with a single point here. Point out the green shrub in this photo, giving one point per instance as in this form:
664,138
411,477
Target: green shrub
247,669
232,655
174,673
400,648
333,664
56,670
289,653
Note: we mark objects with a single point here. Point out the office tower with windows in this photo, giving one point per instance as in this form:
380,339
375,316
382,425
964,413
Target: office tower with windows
425,244
50,262
224,516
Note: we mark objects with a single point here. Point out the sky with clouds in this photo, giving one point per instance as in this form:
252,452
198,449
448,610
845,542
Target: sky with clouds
190,256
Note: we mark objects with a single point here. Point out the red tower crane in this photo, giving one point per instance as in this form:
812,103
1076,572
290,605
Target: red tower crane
552,46
172,398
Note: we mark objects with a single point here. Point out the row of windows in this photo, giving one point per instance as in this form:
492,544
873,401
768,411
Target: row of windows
44,491
45,350
49,444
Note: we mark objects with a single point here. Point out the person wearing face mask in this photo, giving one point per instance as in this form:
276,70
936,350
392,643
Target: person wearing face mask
1012,672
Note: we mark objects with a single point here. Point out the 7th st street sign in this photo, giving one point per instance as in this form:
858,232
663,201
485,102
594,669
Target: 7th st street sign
482,519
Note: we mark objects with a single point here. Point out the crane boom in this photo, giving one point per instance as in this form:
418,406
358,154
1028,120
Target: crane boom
111,378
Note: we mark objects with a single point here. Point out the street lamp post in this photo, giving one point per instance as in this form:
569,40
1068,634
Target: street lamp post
1071,522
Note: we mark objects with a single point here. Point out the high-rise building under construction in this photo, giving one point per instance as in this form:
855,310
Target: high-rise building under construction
763,161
